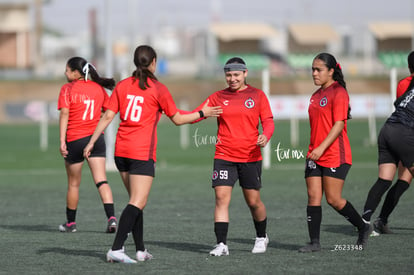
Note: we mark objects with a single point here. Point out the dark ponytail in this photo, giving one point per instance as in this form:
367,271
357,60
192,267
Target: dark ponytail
143,57
338,76
78,64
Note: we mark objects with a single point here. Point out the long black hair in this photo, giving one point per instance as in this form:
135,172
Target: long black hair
338,76
143,57
78,63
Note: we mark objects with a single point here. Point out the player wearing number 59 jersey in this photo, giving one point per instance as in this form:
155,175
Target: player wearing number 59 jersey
80,104
238,152
238,125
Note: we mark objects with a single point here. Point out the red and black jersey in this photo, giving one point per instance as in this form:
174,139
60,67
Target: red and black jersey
403,85
84,99
238,125
325,108
139,112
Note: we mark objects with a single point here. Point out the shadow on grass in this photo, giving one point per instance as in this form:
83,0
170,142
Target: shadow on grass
272,244
401,228
344,229
30,227
72,252
43,228
181,246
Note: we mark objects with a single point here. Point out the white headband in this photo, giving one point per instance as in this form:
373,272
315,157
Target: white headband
85,70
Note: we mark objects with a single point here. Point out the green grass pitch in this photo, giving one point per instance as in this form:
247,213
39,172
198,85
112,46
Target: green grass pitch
179,216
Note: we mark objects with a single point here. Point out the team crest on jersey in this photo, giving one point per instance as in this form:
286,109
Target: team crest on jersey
323,102
249,103
215,175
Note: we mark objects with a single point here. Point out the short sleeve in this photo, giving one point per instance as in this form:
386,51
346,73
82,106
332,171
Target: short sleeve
340,105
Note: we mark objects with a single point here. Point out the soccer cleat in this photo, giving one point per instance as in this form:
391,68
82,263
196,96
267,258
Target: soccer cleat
381,228
374,233
220,250
143,256
363,235
68,227
119,256
260,245
111,225
310,247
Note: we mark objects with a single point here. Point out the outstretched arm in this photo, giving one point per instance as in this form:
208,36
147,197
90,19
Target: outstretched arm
183,117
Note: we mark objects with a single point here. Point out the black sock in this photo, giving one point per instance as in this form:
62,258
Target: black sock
70,215
352,215
221,229
374,197
109,210
260,228
138,232
126,223
392,198
314,217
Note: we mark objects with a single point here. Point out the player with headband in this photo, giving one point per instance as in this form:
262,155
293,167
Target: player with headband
238,152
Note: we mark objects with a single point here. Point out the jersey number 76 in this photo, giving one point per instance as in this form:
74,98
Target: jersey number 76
134,108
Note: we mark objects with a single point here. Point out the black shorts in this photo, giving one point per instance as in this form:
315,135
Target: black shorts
313,169
396,143
135,166
226,173
75,149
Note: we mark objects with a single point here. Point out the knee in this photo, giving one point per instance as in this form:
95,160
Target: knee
253,205
335,203
314,199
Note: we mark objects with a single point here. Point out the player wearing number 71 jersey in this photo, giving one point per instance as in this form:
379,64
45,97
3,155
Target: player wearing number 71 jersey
80,104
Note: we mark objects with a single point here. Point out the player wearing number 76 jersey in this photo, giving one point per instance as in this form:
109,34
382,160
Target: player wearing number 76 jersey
80,104
140,101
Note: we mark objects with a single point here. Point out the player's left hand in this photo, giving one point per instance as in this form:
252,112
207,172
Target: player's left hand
262,141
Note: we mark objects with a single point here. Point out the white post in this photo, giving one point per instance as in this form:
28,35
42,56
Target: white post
184,129
44,133
372,126
294,128
266,90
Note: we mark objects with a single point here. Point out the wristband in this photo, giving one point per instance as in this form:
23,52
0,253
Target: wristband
201,113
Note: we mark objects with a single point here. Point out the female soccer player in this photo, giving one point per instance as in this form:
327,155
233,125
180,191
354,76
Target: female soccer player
329,157
387,172
238,152
80,104
140,100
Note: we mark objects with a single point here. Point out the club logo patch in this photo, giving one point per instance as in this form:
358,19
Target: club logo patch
215,175
323,102
249,103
